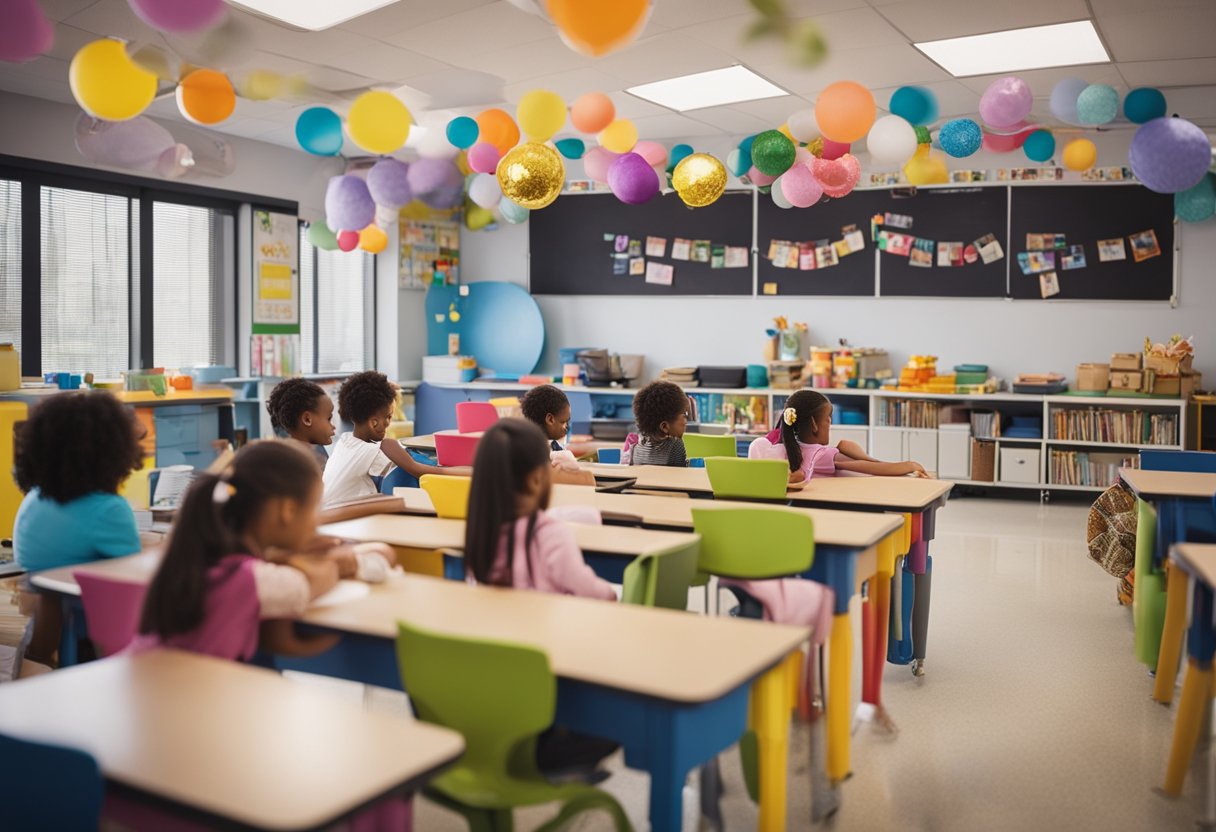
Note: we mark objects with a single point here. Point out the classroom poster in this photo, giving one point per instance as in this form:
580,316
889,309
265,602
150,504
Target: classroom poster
428,246
276,273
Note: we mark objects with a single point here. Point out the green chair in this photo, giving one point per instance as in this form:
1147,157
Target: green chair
748,479
446,678
662,579
702,445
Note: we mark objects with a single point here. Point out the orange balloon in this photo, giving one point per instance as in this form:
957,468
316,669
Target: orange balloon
845,111
373,239
205,96
592,112
496,127
597,27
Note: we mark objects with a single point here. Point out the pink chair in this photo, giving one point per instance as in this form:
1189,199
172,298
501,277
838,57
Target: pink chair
455,448
475,417
112,609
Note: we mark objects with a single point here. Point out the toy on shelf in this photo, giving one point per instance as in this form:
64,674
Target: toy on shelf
785,341
821,366
915,375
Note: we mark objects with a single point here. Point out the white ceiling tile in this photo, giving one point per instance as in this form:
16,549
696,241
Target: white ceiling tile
664,56
548,56
774,111
873,67
630,106
406,14
468,33
1105,7
1156,33
336,81
45,67
248,127
727,35
385,63
672,126
37,87
856,29
1193,103
923,20
63,9
112,18
69,40
570,85
1181,72
305,46
731,120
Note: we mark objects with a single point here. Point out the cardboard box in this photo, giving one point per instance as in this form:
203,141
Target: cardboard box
1126,379
1168,366
1093,377
1125,361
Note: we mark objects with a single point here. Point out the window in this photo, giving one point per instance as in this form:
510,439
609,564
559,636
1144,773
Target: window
335,296
86,259
10,262
187,293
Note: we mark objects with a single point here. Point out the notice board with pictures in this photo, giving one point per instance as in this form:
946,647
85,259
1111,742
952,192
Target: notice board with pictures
576,244
1118,259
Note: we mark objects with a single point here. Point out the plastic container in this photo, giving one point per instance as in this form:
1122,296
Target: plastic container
10,368
725,377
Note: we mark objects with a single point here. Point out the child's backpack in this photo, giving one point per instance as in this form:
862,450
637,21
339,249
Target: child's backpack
1111,530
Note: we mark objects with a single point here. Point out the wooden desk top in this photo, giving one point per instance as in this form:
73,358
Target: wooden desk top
1199,559
665,654
852,529
232,740
426,442
1150,485
438,533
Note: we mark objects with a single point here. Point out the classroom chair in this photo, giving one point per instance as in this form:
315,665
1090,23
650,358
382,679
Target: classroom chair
452,449
475,417
662,579
748,479
1195,462
608,456
49,787
449,495
446,678
701,445
111,610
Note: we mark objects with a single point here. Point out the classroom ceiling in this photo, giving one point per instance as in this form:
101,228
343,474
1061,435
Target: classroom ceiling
462,55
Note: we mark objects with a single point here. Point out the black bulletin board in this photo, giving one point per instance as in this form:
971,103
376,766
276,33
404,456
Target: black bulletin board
569,255
946,215
1086,214
852,275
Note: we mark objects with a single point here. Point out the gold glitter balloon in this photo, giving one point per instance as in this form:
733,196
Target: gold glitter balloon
699,179
531,175
815,145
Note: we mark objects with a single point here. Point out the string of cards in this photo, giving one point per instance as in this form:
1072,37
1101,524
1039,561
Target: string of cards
919,250
627,256
815,254
1041,250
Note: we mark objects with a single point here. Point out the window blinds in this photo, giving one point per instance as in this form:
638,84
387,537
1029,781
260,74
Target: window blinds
186,298
339,282
10,262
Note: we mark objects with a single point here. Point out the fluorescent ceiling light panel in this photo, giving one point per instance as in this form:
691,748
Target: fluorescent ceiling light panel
1036,47
314,15
708,89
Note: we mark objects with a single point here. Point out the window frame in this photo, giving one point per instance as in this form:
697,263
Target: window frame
369,309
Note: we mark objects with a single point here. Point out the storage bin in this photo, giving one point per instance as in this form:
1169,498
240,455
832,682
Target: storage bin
1093,377
954,452
730,377
983,460
1126,379
1020,465
1125,361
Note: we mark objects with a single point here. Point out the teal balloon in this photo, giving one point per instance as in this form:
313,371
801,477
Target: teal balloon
916,105
1039,146
570,148
739,161
1097,104
677,154
320,236
746,145
319,131
960,137
462,132
1144,104
772,153
1197,203
511,212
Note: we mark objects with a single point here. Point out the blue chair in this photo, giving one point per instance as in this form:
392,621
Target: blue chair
1194,462
49,787
400,478
610,456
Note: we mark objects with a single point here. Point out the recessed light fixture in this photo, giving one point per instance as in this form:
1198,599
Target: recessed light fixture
708,89
1036,47
314,15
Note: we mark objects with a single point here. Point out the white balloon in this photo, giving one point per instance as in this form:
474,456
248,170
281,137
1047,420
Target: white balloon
778,195
802,156
892,141
802,125
485,191
434,144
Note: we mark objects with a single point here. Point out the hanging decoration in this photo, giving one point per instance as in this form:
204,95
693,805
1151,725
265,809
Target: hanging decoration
598,27
699,180
26,32
531,175
378,122
1170,155
107,84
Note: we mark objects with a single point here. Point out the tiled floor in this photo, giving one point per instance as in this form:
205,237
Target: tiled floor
1033,716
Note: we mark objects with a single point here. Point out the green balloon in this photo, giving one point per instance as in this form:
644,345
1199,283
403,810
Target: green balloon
319,236
772,152
1197,203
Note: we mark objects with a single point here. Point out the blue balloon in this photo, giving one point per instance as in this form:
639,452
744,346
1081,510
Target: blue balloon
1039,146
1197,203
462,132
677,154
960,137
746,146
319,131
571,148
512,212
1097,104
1144,104
916,105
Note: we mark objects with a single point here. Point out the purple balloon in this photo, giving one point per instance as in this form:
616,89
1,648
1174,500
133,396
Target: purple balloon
25,33
1006,102
389,183
348,204
179,15
427,175
632,179
1169,155
445,197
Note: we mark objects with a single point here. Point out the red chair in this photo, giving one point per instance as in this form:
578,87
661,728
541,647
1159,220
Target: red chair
455,448
475,417
112,609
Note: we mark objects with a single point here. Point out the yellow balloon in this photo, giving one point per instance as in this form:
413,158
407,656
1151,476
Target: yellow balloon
107,84
619,137
462,162
540,114
378,122
475,219
785,131
699,180
1080,154
262,85
925,168
531,175
816,147
373,239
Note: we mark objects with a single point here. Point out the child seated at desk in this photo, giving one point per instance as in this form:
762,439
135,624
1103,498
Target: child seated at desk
71,457
661,411
366,400
302,410
802,436
549,409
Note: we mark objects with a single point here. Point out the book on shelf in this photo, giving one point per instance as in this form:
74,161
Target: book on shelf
908,413
1129,427
985,424
1098,470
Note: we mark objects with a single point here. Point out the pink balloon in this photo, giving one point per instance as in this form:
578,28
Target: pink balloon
653,152
179,15
838,176
834,150
998,143
347,240
596,163
483,157
1007,101
800,186
25,33
759,179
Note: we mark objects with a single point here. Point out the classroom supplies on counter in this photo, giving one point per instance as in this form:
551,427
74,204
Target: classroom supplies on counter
683,376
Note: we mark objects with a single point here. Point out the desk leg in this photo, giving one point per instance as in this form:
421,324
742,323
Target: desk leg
923,585
1171,635
875,656
840,675
1196,689
772,703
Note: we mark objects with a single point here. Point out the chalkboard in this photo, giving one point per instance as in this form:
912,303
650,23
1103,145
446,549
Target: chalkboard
1085,214
853,274
572,244
946,215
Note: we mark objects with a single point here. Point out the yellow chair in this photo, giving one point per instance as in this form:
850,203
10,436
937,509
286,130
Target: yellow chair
450,495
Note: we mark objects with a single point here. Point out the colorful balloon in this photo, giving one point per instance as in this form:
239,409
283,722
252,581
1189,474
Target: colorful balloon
107,84
926,168
320,236
484,190
206,97
960,137
1080,154
699,179
26,32
179,16
772,153
845,111
511,212
373,239
892,141
1170,155
915,105
532,175
852,169
1097,104
800,186
483,157
777,192
1064,95
597,27
571,148
739,161
759,178
475,219
596,162
592,112
431,176
347,240
1198,202
388,182
462,132
378,122
677,154
348,203
802,125
619,137
1144,104
498,128
1005,142
1039,146
319,131
1007,101
541,114
632,179
834,150
653,152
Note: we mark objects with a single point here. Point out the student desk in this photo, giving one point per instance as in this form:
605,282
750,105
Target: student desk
1196,562
226,742
672,688
426,442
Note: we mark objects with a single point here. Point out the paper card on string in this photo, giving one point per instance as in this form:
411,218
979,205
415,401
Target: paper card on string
1109,250
621,243
949,254
717,257
1049,284
1144,245
635,248
680,248
921,254
897,220
899,244
736,257
853,238
659,273
620,264
989,248
825,256
637,265
806,256
1074,258
842,248
700,251
791,257
656,246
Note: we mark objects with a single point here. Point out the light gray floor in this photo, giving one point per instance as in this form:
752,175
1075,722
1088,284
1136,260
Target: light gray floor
1033,716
